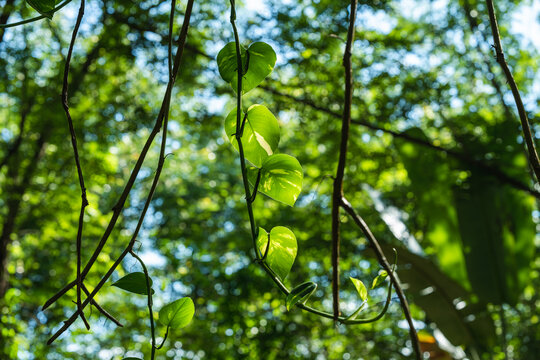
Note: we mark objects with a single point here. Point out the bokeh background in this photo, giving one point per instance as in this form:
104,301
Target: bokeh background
462,213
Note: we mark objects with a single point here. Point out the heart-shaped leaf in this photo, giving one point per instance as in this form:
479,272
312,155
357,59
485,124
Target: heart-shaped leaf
44,7
177,314
261,133
134,282
282,251
379,279
258,60
360,287
281,178
300,294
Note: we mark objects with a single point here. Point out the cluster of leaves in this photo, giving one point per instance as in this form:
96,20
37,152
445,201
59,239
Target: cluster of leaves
278,176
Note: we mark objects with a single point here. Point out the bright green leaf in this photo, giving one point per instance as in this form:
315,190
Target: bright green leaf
379,279
282,251
360,287
300,294
134,282
281,178
258,61
44,7
261,133
177,314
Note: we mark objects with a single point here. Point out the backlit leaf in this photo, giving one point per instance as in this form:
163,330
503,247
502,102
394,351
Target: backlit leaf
261,133
281,178
177,314
360,287
258,60
379,279
282,251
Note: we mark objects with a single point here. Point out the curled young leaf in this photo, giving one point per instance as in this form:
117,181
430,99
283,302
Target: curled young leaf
379,279
177,314
300,294
134,282
44,7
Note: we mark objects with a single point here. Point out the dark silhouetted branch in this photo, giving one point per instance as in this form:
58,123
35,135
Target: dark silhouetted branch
527,134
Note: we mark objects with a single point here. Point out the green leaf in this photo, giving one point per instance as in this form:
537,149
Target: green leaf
177,314
498,237
261,133
257,61
360,287
379,279
282,252
44,7
455,311
300,294
134,282
281,178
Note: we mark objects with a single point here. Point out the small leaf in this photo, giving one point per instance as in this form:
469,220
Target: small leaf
379,279
177,314
360,287
261,133
134,282
257,61
282,252
44,7
300,294
281,178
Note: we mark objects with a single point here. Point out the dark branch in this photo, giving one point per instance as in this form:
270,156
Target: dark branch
527,134
162,115
464,158
340,173
393,277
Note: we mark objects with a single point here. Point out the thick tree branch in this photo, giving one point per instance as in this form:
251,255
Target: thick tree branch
386,265
527,134
338,180
464,158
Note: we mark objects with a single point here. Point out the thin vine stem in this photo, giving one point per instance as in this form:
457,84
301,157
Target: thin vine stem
84,201
4,26
164,338
149,302
117,209
164,110
337,193
527,134
239,131
259,258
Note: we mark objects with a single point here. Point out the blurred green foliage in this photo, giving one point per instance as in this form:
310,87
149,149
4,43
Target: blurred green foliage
466,238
